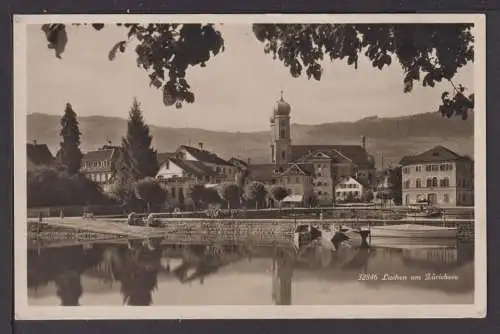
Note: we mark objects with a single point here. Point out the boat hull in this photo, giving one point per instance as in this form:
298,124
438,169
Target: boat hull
413,231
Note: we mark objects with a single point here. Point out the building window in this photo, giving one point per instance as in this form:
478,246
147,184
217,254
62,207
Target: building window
418,184
446,198
407,184
297,179
172,191
434,182
207,178
283,155
418,169
429,183
444,183
427,168
355,193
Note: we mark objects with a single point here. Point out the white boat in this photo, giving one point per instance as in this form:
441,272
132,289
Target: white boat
423,210
413,231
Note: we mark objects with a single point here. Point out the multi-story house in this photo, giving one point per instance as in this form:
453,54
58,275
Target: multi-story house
349,188
188,166
98,165
297,179
330,163
220,166
439,176
38,155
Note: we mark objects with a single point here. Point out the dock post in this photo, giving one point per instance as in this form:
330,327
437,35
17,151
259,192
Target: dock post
370,233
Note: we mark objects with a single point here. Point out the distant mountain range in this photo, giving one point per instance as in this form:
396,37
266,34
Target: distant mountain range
387,139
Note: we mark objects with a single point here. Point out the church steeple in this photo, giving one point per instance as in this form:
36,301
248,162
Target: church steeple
280,132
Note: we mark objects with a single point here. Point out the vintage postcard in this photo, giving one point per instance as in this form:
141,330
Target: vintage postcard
250,166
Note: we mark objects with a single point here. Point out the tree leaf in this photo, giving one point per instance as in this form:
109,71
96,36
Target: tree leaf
118,46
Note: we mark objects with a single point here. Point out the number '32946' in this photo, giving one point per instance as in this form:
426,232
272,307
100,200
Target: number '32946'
367,277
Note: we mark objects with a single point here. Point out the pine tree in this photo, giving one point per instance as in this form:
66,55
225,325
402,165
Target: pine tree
141,157
124,178
69,154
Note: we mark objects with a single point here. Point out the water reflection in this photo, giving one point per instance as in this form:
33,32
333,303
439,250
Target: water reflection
150,271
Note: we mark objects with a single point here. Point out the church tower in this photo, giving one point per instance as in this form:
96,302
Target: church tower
281,144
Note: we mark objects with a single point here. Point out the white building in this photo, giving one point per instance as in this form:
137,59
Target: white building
350,189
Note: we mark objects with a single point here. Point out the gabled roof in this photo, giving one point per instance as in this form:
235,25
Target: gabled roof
39,154
355,153
435,154
192,167
304,169
238,163
322,154
101,155
204,155
347,178
162,157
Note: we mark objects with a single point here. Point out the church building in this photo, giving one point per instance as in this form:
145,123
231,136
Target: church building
326,165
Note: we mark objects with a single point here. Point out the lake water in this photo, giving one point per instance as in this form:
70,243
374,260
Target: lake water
152,272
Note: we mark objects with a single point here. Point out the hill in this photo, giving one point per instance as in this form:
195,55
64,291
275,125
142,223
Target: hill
387,139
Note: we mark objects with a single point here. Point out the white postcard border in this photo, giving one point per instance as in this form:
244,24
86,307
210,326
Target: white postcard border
23,311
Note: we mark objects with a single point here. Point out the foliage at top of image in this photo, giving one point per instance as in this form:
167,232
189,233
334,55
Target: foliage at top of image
428,53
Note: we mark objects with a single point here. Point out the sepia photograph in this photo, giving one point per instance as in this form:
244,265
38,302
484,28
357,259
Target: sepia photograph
249,166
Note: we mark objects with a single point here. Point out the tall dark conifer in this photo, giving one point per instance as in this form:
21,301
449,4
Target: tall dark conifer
139,155
69,154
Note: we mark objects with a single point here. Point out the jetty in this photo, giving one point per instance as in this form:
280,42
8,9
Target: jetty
224,228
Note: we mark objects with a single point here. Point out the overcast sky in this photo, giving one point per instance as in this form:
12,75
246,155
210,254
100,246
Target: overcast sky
235,92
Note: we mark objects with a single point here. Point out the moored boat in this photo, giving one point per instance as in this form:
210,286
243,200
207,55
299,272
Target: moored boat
423,209
413,231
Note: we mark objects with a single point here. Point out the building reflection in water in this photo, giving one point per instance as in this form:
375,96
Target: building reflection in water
64,267
283,266
136,265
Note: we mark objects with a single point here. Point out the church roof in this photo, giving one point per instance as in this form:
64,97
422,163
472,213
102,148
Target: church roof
435,154
282,108
355,153
205,156
39,154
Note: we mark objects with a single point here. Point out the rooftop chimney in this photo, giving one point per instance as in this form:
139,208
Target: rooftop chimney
363,142
248,160
34,141
200,145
